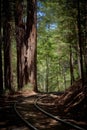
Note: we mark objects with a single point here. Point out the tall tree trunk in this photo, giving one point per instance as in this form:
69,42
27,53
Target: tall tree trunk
20,33
58,83
64,76
7,47
31,45
7,57
78,60
85,35
1,72
80,40
47,74
71,66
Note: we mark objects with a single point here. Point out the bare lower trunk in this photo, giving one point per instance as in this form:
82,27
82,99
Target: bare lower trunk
7,57
20,32
47,74
1,72
31,44
71,66
80,40
85,37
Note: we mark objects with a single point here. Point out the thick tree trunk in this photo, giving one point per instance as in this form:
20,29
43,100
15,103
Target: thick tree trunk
31,44
7,47
7,57
20,32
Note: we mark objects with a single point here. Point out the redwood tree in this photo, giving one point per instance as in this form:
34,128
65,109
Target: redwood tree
20,31
31,43
7,45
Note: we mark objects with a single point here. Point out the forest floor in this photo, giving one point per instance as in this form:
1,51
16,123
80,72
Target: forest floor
71,105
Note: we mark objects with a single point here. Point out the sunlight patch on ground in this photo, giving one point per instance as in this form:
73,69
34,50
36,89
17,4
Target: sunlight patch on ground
20,128
27,93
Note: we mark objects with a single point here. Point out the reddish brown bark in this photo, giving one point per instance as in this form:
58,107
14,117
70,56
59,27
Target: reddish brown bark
31,43
7,46
7,56
20,31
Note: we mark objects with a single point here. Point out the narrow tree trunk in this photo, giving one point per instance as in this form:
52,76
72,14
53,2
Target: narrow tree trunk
71,66
58,83
64,80
31,44
80,41
85,37
47,74
78,59
1,72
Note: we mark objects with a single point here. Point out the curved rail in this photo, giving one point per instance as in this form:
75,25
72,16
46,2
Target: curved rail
54,117
25,121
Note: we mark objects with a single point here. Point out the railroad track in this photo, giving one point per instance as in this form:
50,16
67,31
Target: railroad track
36,118
8,118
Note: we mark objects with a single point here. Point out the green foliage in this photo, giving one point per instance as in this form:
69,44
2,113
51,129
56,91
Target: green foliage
53,52
57,31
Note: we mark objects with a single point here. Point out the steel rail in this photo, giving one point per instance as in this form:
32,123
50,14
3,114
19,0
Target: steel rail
54,117
21,117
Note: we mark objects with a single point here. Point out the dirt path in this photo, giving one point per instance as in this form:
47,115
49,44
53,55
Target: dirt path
10,121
